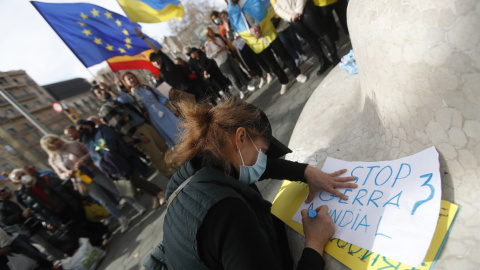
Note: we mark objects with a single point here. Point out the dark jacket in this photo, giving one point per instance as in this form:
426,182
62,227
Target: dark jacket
175,75
208,188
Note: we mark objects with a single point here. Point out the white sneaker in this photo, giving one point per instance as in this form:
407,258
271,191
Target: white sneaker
303,57
298,61
222,94
283,90
251,88
123,224
107,221
302,78
269,78
242,95
262,83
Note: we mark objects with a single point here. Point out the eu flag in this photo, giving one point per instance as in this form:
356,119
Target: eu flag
94,34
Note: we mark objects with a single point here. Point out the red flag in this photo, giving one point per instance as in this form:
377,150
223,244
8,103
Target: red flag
139,61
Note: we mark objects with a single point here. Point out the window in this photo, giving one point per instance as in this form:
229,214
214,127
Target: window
25,106
26,126
10,149
49,100
36,135
9,111
24,140
38,102
23,159
12,131
38,90
15,80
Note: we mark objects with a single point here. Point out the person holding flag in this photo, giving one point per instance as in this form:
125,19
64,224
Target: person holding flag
251,21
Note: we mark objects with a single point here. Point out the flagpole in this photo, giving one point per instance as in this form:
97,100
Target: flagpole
93,75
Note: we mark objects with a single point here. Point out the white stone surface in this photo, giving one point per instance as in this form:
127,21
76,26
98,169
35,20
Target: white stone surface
418,85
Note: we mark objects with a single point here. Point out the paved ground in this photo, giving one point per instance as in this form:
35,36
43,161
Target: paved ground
127,251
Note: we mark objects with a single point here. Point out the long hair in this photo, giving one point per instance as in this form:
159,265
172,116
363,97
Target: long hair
205,31
208,132
140,80
46,143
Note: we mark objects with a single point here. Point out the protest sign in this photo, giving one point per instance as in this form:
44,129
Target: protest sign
394,210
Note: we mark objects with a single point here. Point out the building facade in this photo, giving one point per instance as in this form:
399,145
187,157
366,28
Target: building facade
19,138
75,94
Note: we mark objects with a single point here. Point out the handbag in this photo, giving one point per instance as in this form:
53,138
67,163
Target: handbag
125,188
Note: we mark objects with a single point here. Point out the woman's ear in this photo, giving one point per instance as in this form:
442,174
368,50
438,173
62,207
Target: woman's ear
240,137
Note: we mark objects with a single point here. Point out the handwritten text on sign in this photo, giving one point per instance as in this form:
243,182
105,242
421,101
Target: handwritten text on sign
394,210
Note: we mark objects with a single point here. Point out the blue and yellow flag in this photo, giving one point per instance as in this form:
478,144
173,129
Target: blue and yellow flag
152,11
94,34
262,12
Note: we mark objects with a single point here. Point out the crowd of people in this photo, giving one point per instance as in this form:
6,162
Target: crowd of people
216,144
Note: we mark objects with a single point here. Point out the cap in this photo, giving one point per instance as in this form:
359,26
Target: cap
192,49
262,125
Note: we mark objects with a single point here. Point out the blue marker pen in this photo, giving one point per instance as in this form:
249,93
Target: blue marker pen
312,213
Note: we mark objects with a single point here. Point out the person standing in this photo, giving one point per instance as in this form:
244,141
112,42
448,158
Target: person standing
250,20
126,120
66,159
116,159
161,117
217,49
306,21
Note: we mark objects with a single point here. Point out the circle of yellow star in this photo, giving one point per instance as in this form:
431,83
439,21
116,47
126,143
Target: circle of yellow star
108,15
95,13
87,32
109,47
83,16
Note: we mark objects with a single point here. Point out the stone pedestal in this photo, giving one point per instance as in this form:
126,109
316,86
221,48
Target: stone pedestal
418,86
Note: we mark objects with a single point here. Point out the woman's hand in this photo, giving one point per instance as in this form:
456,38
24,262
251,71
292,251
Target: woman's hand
70,173
321,181
318,229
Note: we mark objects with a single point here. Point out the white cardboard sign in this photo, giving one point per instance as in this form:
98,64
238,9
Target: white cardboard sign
393,211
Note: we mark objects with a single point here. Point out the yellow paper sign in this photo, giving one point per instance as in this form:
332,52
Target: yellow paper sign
291,196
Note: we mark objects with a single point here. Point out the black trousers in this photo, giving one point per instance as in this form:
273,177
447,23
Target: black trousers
310,28
267,55
251,60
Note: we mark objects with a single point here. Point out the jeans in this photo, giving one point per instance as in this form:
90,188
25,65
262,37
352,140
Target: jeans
96,192
22,245
290,41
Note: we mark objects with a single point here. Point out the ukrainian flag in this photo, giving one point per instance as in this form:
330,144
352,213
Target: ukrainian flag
262,12
152,11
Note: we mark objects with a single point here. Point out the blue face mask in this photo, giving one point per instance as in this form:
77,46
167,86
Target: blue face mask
218,21
251,174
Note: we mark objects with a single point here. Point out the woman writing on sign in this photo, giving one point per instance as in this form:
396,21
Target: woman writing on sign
218,219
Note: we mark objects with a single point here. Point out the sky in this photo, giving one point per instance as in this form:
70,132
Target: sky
30,44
